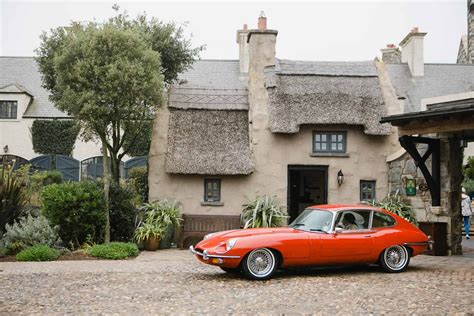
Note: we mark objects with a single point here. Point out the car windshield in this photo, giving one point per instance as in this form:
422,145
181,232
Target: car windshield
313,220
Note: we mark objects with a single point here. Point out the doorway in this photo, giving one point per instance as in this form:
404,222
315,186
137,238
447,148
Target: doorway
307,185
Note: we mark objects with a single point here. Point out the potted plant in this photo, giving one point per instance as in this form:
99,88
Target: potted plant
159,220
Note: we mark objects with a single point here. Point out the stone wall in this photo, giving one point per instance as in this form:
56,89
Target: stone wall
404,167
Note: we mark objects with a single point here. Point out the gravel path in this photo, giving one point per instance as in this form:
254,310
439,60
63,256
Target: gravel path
173,281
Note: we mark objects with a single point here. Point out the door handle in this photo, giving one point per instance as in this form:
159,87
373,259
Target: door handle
368,236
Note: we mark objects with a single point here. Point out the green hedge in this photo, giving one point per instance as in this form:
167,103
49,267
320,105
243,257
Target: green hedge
114,250
38,253
54,137
78,208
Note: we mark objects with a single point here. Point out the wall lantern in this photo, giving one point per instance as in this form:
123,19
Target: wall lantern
340,177
5,149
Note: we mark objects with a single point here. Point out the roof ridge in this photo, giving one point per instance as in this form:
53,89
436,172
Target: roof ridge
17,56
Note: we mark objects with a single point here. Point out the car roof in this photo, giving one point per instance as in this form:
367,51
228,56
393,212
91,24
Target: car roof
341,207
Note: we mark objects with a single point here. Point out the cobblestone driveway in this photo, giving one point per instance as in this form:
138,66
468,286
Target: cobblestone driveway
172,281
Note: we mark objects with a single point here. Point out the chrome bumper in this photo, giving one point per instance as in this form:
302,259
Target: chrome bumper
428,243
206,256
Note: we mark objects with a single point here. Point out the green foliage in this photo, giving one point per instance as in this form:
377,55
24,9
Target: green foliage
30,231
78,208
139,144
468,184
263,211
13,197
114,250
54,137
395,204
38,253
44,178
469,168
138,176
157,216
123,213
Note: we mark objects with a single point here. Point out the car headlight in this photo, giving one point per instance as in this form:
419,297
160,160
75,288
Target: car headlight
230,244
208,236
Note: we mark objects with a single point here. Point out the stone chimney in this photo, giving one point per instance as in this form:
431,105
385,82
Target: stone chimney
470,31
243,49
391,54
412,52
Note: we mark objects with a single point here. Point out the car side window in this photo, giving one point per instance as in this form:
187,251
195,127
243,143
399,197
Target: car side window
353,219
382,220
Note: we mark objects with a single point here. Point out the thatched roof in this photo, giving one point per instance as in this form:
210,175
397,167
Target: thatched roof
325,93
209,125
210,142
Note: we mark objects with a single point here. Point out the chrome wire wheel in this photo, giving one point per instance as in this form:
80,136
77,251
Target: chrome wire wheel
395,258
261,263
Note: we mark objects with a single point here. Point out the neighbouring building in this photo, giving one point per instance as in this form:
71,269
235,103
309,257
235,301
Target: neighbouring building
308,132
23,100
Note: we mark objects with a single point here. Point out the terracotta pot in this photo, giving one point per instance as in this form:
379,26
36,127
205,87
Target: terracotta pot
152,244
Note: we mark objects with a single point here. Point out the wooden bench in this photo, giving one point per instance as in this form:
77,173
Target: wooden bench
201,225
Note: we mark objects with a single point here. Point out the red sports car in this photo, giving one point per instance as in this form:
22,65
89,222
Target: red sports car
321,235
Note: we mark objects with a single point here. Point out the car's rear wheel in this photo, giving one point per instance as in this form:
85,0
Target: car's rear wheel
395,259
260,264
231,270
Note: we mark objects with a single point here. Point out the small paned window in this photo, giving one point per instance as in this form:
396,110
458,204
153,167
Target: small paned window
329,142
382,220
212,190
367,190
8,109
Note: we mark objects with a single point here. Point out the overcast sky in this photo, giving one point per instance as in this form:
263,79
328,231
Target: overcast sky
331,30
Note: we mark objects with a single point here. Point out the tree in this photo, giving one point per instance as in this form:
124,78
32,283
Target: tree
110,77
167,39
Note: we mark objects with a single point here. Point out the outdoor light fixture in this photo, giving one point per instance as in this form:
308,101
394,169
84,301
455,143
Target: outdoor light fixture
5,149
340,177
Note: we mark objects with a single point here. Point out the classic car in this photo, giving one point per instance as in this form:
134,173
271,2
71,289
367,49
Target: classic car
321,235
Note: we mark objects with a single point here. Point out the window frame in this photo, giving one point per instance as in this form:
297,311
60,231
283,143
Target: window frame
372,182
329,142
15,102
219,196
381,227
339,213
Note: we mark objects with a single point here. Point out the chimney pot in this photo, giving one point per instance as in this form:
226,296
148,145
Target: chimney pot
262,21
391,46
414,29
245,28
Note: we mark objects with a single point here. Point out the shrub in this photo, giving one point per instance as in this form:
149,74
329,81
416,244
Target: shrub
79,210
54,137
38,253
123,213
30,231
263,211
157,216
13,197
139,178
44,178
395,204
114,250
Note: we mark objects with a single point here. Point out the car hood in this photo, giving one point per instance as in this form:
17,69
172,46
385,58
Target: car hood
239,233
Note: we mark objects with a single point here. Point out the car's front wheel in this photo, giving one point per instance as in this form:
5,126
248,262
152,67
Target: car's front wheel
395,259
260,264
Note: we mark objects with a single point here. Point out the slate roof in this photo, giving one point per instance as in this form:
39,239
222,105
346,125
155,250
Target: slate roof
23,71
439,79
325,93
211,85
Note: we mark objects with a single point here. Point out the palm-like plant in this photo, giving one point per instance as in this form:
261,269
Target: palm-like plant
395,204
157,216
263,211
13,197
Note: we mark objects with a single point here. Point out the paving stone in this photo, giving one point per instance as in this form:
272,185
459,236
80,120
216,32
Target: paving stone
174,282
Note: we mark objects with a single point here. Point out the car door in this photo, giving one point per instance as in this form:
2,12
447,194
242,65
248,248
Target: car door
345,245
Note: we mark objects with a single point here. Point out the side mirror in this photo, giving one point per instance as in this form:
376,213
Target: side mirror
338,230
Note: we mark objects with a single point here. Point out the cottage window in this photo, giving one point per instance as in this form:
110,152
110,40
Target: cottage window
367,190
329,142
212,190
8,109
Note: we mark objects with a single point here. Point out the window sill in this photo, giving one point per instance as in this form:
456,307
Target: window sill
212,203
338,155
